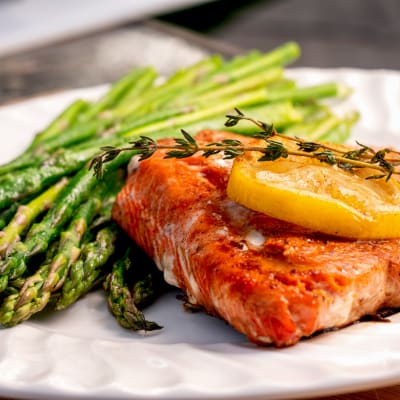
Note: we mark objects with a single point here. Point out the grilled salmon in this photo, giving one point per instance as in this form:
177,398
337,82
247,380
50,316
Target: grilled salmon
273,281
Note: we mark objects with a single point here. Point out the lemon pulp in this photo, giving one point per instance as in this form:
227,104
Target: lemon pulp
318,196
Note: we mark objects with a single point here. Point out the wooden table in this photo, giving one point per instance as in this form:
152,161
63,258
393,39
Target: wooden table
103,57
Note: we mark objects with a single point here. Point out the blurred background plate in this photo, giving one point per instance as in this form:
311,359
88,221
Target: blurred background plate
30,23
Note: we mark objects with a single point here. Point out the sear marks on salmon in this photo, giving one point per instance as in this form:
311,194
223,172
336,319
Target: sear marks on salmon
273,281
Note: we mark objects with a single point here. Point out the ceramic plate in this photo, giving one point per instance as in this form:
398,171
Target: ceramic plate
22,22
81,353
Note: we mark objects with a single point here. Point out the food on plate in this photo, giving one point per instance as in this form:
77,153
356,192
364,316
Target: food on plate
315,195
126,303
274,281
330,188
56,248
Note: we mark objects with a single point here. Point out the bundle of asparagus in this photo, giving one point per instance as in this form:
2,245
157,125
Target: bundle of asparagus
58,240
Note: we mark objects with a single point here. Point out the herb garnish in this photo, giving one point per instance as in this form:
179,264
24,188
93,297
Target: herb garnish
187,146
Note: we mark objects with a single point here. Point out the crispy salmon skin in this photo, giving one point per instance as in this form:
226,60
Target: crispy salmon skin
273,281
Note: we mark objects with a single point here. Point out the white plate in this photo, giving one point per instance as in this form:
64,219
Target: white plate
82,353
30,23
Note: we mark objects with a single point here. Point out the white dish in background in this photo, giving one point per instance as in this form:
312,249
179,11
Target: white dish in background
30,23
82,353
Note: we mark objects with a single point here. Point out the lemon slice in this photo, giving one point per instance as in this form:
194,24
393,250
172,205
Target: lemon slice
318,196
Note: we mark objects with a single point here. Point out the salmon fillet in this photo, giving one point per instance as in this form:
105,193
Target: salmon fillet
273,281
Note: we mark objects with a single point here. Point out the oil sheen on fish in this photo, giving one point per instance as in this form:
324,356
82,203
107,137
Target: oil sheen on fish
273,281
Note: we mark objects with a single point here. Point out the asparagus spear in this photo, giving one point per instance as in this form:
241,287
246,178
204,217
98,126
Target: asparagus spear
324,128
120,300
234,63
129,86
90,268
308,93
26,215
238,69
140,87
76,134
147,284
66,119
282,55
341,132
9,310
16,186
260,80
7,214
280,114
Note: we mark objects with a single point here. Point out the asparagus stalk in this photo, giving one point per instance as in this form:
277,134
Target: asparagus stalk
63,121
144,291
9,310
323,128
120,300
129,86
280,114
148,284
235,63
77,134
26,214
25,160
260,80
282,55
309,93
140,87
16,186
87,271
341,132
7,214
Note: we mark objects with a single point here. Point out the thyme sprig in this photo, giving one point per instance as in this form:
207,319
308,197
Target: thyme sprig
274,148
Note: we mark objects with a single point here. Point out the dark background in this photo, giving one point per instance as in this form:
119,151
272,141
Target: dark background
332,33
